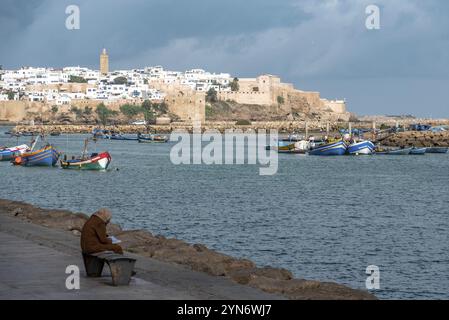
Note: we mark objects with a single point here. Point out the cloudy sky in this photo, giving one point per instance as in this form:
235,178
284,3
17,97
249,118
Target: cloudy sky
403,68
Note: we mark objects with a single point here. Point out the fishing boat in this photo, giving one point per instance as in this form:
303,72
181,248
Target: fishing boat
418,151
29,134
298,147
437,150
47,156
152,138
401,151
336,148
7,154
96,161
363,147
116,136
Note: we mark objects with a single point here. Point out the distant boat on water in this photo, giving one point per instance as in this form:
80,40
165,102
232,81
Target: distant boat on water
152,138
418,151
120,137
363,147
337,148
437,150
401,151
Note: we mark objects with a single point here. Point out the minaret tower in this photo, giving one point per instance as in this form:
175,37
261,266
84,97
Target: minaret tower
104,63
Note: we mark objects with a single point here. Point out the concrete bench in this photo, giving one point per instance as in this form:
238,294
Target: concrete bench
121,266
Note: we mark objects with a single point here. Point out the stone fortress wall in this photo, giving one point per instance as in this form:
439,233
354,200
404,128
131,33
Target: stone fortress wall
265,90
189,104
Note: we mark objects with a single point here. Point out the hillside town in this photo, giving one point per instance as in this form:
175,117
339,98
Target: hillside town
102,84
28,91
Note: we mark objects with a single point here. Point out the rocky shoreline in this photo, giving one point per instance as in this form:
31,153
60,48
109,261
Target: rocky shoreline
285,126
196,257
401,139
417,139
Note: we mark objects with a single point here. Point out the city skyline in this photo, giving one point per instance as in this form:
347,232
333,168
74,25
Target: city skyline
318,47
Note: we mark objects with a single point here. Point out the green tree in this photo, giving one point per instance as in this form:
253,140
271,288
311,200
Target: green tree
120,80
77,111
130,110
77,79
148,111
11,95
235,85
160,108
87,111
54,109
211,95
104,113
280,100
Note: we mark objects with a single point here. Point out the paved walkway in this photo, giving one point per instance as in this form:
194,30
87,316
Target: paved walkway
33,260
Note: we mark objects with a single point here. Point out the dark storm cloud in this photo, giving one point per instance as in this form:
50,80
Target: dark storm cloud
318,45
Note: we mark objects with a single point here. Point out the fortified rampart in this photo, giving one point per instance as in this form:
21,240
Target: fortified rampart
268,90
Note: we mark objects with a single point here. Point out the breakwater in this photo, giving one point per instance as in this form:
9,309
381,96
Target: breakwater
197,257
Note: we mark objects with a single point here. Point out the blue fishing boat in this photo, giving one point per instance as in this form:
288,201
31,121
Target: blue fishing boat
363,147
418,151
337,148
437,150
395,152
7,154
47,156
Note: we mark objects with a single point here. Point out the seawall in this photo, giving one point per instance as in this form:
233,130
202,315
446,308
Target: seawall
196,257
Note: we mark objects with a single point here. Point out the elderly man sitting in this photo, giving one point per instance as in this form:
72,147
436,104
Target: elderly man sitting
93,235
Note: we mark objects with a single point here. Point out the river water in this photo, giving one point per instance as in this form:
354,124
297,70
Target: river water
323,218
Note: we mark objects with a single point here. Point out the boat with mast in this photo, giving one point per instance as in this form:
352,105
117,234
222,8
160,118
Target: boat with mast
46,156
95,161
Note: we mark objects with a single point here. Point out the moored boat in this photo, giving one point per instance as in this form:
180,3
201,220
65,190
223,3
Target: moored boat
120,137
7,154
437,150
337,148
152,138
401,151
95,161
418,151
363,147
47,156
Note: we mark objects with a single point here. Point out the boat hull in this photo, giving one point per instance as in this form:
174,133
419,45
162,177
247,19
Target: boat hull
361,148
98,162
437,150
330,149
8,154
151,141
152,138
46,157
120,138
397,152
418,151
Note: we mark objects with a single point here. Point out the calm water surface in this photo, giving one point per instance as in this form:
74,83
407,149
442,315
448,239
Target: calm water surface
323,218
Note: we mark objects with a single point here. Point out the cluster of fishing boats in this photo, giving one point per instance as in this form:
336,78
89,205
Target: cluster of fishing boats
141,138
48,156
345,146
